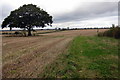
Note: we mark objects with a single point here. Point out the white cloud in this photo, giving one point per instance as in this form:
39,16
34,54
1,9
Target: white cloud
97,22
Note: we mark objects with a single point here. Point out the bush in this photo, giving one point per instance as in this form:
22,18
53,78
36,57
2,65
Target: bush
116,32
100,34
5,33
108,33
17,32
113,32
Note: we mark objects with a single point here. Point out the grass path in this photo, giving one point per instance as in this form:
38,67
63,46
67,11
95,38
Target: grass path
87,57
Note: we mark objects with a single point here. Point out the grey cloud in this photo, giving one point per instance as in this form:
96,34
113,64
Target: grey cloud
5,10
89,10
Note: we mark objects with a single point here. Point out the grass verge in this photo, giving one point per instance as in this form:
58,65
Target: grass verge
86,57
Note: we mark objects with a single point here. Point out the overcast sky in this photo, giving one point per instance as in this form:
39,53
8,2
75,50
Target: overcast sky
70,13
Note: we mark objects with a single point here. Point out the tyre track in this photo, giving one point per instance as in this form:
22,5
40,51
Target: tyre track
25,59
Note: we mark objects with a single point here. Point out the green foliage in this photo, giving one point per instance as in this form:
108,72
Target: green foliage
113,32
27,16
87,57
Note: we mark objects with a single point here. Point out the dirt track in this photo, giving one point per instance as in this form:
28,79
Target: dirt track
26,57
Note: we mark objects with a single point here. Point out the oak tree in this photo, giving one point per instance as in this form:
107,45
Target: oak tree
27,17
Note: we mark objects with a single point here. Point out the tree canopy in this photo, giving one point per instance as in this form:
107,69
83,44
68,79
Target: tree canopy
27,17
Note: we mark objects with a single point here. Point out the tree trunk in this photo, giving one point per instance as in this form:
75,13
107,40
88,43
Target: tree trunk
29,31
10,28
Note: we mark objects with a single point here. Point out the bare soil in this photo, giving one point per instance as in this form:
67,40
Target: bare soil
26,57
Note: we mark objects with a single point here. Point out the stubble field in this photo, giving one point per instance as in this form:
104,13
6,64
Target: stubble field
26,57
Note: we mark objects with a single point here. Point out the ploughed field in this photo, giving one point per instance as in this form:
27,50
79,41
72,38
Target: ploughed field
26,57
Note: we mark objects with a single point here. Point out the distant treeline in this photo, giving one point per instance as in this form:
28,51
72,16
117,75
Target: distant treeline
23,32
62,29
79,28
